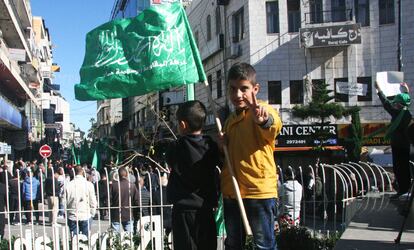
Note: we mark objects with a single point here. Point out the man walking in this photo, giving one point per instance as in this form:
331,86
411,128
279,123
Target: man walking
120,194
81,203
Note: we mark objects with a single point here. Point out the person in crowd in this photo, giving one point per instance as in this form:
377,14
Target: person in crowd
192,185
249,134
52,194
30,189
3,203
397,131
80,203
143,205
14,203
291,197
61,182
123,196
103,195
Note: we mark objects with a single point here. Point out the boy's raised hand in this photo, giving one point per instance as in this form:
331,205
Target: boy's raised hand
260,113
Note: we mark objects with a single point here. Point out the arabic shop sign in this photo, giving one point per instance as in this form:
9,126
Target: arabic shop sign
304,135
327,36
351,88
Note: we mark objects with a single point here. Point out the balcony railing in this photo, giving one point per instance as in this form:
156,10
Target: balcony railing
330,16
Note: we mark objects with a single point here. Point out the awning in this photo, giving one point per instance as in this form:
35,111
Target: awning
293,149
9,115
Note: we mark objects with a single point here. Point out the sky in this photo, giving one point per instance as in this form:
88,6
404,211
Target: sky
68,22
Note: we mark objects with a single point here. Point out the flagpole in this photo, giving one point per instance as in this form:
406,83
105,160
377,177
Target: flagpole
231,170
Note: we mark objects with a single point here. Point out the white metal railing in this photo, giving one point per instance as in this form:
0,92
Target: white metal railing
150,214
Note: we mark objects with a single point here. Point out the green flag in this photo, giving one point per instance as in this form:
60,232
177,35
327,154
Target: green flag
95,161
129,57
75,161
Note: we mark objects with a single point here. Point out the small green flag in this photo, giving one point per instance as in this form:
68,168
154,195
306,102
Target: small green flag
75,161
130,57
95,161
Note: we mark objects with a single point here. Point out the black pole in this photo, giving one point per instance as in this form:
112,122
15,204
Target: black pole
399,52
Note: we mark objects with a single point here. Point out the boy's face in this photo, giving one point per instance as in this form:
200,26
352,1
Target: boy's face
240,91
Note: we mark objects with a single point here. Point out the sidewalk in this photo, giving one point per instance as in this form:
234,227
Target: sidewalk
376,225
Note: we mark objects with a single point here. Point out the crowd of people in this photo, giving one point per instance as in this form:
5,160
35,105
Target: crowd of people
80,194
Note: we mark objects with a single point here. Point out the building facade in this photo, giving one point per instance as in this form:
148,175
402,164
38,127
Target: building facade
356,39
26,74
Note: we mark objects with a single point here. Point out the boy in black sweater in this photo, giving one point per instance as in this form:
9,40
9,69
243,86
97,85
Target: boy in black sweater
192,185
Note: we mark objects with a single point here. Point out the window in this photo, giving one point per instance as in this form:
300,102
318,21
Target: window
316,11
196,39
208,24
386,11
338,9
274,90
218,20
219,82
362,12
238,25
366,81
316,85
296,92
210,83
272,17
293,7
338,96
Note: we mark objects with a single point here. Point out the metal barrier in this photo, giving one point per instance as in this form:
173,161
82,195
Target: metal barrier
149,212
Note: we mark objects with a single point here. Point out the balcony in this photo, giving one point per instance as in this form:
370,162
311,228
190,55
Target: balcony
12,77
331,16
13,26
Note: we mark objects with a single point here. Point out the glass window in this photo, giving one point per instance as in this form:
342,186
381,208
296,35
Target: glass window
296,92
274,90
238,25
210,82
208,23
386,9
338,9
362,12
316,11
317,84
218,20
272,17
366,81
338,96
219,84
293,7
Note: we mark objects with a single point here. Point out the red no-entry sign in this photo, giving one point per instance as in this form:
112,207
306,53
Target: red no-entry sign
45,151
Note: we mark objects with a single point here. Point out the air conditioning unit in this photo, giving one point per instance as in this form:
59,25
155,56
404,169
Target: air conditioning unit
235,50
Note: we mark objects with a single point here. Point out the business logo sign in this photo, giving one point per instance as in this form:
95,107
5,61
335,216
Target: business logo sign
305,135
327,36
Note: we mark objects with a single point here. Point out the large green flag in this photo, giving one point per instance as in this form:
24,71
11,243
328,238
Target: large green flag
128,57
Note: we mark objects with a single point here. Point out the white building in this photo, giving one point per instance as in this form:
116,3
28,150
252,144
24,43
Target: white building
266,35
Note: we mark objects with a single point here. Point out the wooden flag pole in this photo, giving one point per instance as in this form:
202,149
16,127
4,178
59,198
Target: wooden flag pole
231,170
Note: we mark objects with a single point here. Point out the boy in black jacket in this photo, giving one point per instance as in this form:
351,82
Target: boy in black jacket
192,184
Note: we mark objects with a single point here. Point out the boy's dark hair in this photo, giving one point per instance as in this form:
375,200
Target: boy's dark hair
242,71
194,113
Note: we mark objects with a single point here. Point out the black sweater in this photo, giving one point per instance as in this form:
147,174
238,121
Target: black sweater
192,183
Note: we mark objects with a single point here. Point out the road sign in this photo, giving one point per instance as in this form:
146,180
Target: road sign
52,125
45,151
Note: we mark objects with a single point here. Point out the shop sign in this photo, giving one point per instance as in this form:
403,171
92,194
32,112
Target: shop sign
327,36
304,135
367,129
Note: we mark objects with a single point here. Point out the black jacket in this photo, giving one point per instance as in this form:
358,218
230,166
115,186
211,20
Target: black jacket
49,187
120,193
192,183
399,137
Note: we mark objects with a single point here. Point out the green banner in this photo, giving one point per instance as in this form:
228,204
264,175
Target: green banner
129,57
